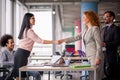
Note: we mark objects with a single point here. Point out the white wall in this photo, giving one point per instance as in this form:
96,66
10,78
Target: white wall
59,34
58,30
3,23
0,15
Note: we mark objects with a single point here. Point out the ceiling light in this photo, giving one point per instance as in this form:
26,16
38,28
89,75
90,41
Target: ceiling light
76,27
53,12
55,0
114,20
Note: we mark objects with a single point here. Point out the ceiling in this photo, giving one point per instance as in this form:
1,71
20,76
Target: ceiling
71,9
66,0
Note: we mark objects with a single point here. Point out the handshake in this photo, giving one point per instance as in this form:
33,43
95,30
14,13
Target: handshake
59,41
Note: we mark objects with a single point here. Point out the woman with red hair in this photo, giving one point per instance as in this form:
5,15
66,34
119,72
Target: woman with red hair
91,37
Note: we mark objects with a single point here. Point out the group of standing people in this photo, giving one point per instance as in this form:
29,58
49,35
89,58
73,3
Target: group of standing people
91,37
101,44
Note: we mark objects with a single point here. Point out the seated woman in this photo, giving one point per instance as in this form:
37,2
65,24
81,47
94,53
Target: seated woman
7,54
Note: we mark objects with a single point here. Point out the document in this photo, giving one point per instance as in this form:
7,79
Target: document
35,64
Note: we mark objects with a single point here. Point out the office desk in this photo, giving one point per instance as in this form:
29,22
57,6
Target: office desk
49,58
50,68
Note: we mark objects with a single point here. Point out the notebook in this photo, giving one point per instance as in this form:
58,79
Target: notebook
80,65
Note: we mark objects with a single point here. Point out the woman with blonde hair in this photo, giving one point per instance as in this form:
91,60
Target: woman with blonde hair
91,37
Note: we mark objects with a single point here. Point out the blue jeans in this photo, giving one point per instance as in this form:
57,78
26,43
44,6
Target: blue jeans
35,74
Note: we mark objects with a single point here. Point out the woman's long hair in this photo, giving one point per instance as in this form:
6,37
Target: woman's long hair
25,24
93,18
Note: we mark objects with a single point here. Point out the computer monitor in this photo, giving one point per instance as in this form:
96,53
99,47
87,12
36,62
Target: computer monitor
70,48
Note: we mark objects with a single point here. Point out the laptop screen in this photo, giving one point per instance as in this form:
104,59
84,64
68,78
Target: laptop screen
55,59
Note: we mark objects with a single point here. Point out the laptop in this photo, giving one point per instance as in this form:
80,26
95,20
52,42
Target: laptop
55,61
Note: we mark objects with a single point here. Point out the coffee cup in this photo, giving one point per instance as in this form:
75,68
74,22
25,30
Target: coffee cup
67,62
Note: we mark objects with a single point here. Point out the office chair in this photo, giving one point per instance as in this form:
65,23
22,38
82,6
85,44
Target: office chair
62,75
85,76
59,73
5,74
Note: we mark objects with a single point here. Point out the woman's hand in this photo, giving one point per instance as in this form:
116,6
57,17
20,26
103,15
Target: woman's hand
60,41
103,44
97,61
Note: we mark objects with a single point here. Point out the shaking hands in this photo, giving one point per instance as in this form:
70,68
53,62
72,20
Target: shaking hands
60,41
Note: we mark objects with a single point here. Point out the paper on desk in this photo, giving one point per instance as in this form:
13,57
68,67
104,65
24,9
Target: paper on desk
35,64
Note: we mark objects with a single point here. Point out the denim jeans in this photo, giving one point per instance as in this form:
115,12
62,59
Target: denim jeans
35,74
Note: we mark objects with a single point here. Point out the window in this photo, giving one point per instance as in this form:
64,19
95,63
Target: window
20,10
8,17
43,28
17,23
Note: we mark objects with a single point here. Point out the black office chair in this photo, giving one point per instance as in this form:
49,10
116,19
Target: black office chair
59,73
85,76
5,74
62,75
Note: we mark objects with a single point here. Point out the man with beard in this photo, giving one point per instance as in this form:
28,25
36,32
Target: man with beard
111,40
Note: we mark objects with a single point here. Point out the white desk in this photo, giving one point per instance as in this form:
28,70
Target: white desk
50,68
49,58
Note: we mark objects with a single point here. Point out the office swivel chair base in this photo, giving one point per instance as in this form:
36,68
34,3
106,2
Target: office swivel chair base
6,74
62,75
86,77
